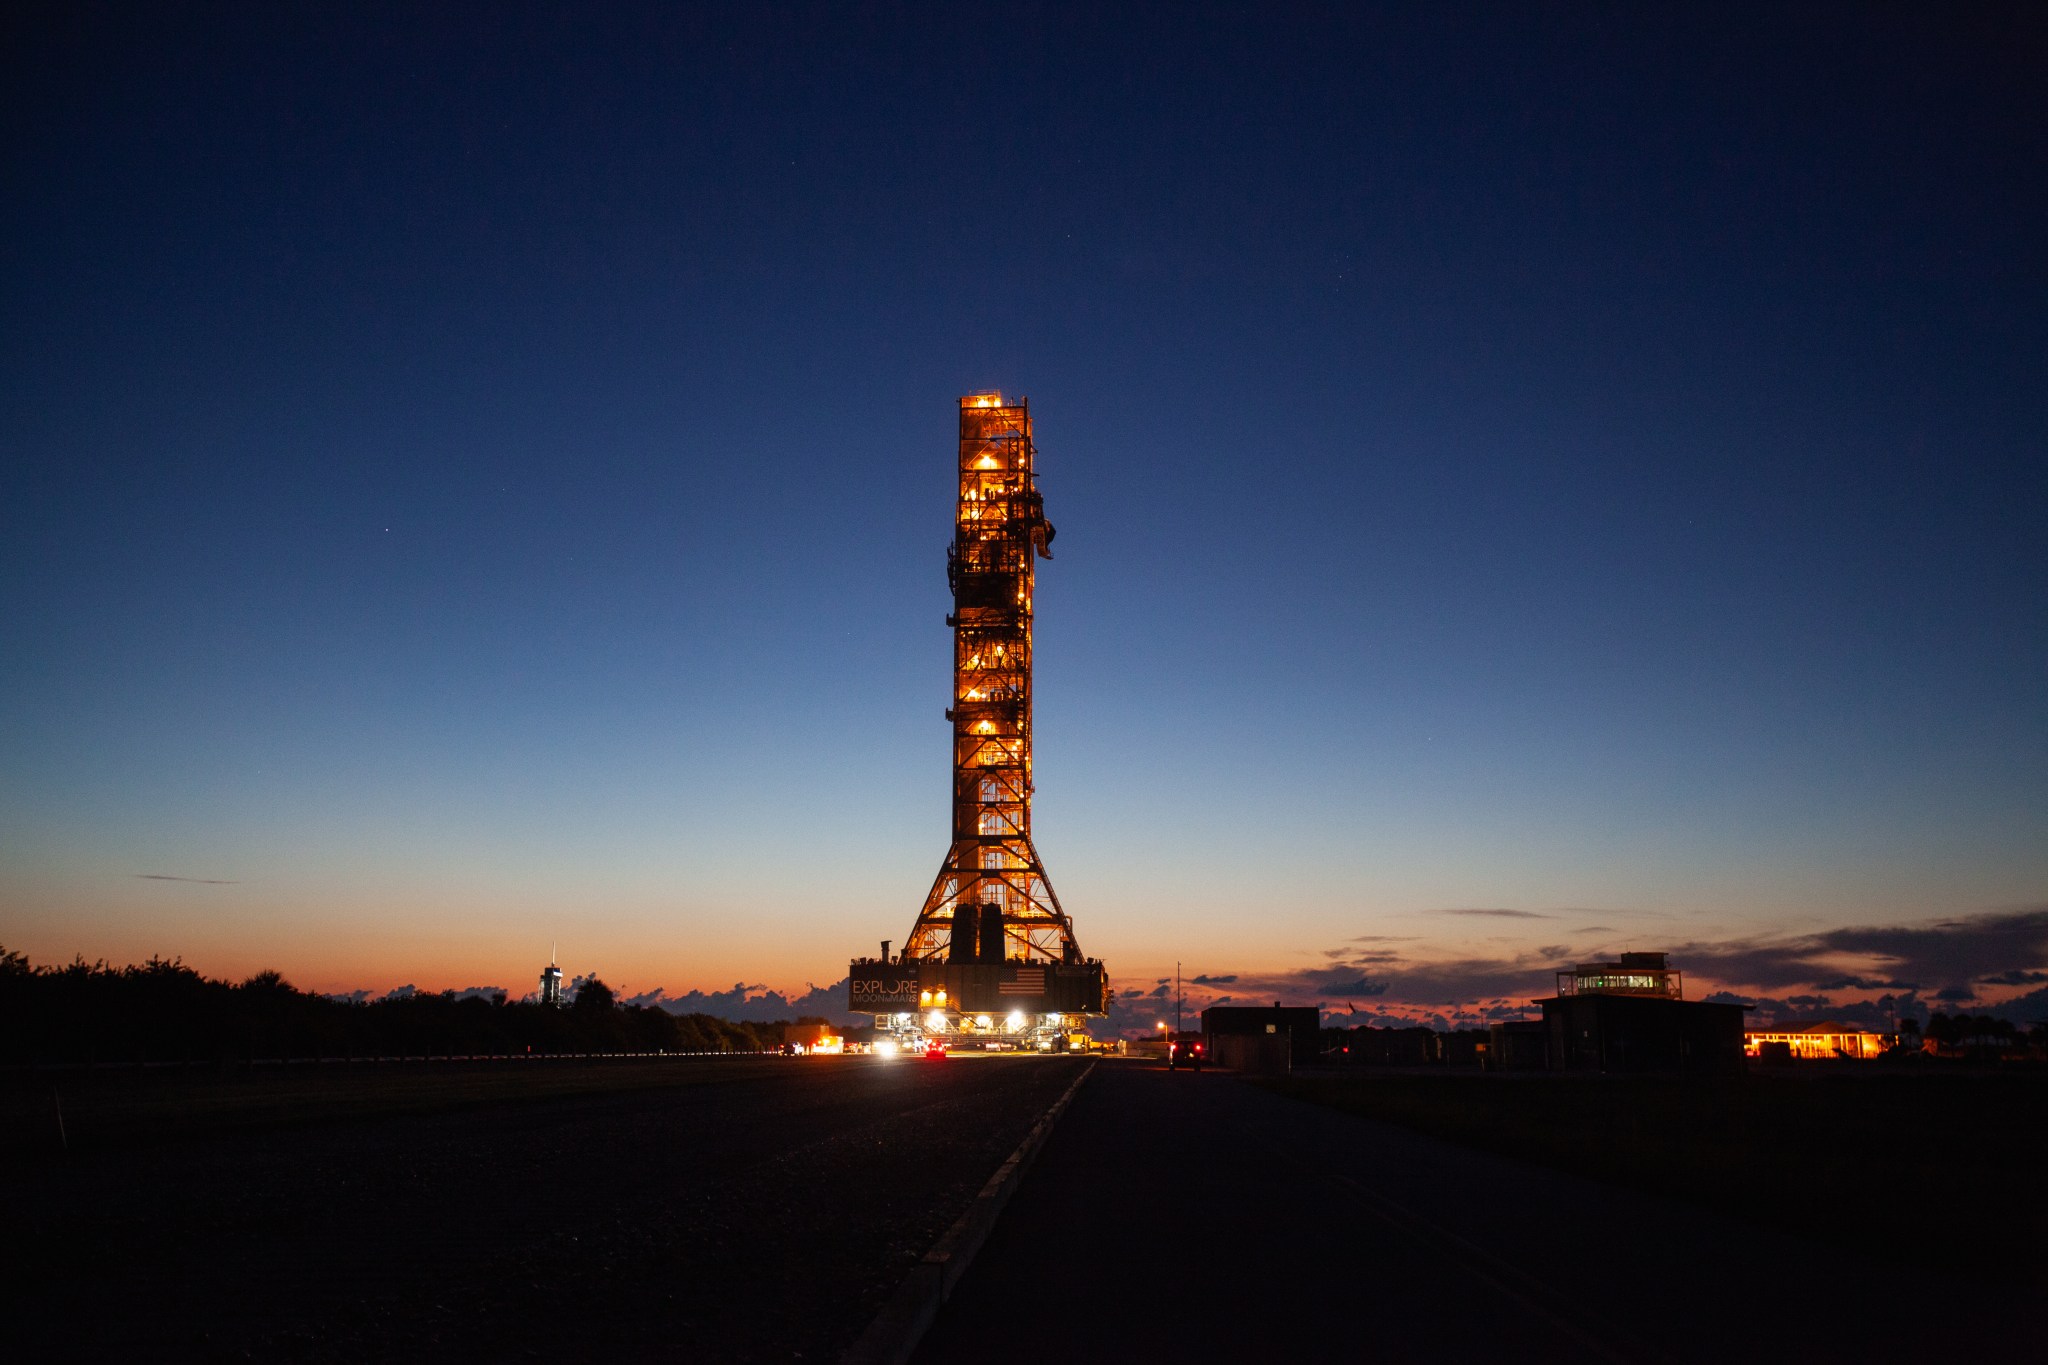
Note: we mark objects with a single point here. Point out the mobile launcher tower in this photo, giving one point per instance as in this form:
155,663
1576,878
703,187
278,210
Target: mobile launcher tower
992,958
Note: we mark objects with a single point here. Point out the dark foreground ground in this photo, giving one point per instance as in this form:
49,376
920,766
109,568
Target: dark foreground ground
681,1209
1208,1219
1909,1168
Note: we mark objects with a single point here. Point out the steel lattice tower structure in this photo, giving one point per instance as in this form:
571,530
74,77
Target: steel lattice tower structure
992,875
992,959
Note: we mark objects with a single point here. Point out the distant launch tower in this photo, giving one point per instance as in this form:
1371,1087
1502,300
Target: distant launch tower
991,938
551,982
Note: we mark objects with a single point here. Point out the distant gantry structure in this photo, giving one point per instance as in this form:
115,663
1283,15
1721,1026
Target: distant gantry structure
551,982
992,957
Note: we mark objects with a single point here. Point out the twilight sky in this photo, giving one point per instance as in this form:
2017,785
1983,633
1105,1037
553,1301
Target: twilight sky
1532,481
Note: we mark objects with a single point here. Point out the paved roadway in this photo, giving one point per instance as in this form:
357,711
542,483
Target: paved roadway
726,1217
1202,1218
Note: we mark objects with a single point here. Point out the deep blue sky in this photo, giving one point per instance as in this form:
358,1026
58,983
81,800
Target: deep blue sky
480,476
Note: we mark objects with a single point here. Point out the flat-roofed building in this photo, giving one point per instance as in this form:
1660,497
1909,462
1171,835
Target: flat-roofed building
1824,1041
1632,1015
1517,1045
1224,1027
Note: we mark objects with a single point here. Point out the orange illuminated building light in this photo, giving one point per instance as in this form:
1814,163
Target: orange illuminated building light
813,1040
1816,1042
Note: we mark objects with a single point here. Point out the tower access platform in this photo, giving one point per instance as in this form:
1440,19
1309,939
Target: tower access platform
992,958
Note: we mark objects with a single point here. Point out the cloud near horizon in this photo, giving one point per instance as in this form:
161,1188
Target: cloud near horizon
1858,973
1496,914
201,881
1948,953
756,1004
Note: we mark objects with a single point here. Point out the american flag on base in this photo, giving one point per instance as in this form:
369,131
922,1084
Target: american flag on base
1023,981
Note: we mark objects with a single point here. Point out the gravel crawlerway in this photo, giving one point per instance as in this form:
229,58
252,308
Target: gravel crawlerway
751,1217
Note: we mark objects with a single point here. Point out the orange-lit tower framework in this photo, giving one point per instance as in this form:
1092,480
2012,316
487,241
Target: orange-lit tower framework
992,873
991,936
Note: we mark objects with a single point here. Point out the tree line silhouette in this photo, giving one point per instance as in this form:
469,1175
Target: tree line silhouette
1979,1030
164,1011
